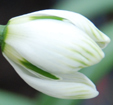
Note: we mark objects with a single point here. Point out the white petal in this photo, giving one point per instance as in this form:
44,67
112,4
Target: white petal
80,21
78,87
60,51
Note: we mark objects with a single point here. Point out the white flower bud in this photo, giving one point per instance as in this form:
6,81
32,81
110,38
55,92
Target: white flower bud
47,48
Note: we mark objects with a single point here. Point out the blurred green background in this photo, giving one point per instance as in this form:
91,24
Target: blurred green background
14,91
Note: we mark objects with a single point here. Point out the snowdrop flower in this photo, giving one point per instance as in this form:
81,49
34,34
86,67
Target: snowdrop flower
48,48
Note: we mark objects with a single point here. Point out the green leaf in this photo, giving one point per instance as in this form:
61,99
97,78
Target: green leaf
88,8
7,98
47,100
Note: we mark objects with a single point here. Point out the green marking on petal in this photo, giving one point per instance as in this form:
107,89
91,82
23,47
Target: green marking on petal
78,60
46,17
80,96
87,51
80,93
81,90
94,33
92,27
73,50
100,33
97,50
38,70
23,19
73,67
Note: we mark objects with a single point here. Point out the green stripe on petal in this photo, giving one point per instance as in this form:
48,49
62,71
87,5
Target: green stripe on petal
38,70
24,19
95,48
78,52
46,17
79,61
87,51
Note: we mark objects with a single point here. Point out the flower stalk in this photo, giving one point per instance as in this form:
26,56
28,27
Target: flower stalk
1,33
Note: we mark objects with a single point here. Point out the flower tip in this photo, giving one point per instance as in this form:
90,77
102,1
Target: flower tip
104,43
94,94
106,38
81,94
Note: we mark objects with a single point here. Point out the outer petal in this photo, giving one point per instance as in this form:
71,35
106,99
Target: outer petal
78,87
78,20
56,49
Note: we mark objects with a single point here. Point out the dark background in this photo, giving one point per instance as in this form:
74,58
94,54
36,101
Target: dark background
11,8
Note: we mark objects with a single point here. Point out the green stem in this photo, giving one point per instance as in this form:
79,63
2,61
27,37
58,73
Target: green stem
1,33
